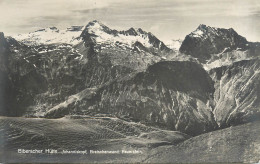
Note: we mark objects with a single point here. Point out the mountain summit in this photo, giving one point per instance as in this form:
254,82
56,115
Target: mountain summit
206,40
132,39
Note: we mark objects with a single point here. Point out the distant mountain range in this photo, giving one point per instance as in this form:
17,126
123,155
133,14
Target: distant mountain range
209,80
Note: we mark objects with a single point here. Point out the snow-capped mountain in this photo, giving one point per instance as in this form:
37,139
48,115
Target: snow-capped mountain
133,39
217,47
97,32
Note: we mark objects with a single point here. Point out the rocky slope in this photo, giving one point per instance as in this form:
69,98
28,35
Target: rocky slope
168,94
237,92
238,144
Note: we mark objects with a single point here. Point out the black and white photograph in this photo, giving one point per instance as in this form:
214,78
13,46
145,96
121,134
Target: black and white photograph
129,81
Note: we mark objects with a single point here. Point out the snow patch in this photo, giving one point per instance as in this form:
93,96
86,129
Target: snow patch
226,58
50,35
197,33
174,44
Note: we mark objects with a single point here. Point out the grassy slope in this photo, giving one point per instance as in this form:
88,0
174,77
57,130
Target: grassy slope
235,144
79,134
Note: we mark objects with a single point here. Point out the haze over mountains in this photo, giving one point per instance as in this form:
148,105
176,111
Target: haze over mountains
211,82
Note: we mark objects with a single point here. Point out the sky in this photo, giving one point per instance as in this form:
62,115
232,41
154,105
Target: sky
166,19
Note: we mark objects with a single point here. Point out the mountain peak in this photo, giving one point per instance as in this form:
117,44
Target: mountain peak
131,31
97,28
96,24
203,29
206,40
98,34
202,26
97,21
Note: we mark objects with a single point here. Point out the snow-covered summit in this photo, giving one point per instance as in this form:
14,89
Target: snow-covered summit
105,37
204,30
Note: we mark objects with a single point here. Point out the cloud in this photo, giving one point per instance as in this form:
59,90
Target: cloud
166,18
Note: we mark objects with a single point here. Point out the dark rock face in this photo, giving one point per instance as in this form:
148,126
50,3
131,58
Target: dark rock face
20,82
3,43
5,87
186,77
3,52
206,40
